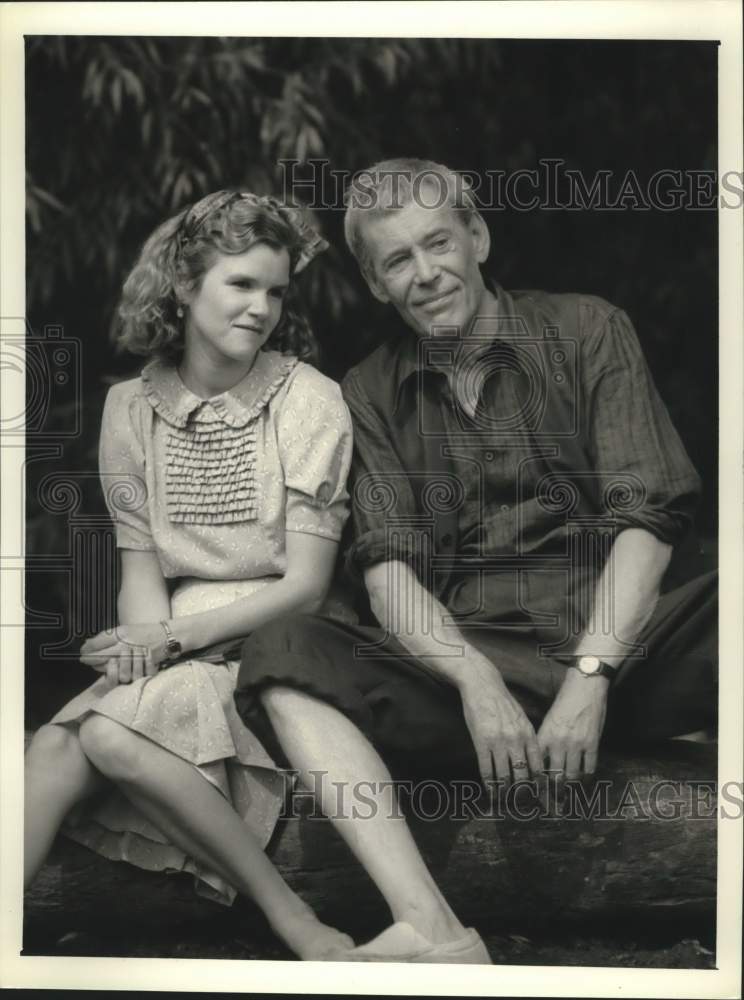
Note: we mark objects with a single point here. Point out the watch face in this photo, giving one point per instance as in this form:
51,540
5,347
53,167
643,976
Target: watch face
589,665
173,647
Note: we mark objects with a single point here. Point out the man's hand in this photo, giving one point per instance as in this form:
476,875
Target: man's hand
127,652
573,726
502,734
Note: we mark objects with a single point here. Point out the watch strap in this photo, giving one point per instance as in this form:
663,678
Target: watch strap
172,645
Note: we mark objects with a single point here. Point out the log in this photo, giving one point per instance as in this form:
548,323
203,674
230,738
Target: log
644,846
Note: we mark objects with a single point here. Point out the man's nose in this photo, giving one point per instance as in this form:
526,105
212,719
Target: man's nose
427,269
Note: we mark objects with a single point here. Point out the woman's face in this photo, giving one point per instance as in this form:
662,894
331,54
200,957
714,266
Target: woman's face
236,307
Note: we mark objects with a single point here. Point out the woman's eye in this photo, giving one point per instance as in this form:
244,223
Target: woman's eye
279,293
441,243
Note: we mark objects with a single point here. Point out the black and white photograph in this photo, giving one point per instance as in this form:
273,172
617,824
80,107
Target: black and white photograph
371,453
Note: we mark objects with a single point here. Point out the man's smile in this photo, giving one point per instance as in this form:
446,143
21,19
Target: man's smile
435,302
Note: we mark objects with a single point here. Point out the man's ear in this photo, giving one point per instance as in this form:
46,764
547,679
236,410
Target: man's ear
481,237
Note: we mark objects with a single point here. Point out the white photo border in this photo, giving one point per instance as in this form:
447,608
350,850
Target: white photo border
607,19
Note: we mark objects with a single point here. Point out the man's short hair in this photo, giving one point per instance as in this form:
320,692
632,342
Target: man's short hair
390,185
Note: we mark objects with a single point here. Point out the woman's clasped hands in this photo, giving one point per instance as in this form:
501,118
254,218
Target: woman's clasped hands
126,653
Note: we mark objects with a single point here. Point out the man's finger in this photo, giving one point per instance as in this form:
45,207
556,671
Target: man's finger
485,764
573,764
590,761
535,758
501,764
557,763
519,763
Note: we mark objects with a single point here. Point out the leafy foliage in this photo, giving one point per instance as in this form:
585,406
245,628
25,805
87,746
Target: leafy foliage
127,130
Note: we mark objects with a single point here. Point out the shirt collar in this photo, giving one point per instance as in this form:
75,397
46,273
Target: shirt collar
169,397
411,359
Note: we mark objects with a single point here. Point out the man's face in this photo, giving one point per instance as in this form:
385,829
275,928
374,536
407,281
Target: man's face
425,263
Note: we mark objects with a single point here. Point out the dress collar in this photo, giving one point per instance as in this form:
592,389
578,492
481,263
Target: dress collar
169,397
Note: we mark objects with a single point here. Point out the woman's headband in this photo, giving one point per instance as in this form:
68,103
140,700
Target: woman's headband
311,242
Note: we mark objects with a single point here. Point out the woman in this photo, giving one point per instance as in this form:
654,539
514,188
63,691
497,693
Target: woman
229,457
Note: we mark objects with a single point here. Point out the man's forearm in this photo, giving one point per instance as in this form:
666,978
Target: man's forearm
625,595
412,614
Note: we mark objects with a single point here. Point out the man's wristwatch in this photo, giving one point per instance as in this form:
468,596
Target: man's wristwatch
592,666
173,647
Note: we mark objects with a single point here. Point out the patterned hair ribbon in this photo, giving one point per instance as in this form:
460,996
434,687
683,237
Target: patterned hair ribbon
310,241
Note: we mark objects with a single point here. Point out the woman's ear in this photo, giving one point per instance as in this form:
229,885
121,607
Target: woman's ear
481,237
183,295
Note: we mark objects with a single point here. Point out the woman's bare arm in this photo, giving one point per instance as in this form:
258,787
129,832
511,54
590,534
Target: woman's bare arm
143,595
310,562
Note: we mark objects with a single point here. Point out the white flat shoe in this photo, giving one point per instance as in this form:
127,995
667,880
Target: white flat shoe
402,943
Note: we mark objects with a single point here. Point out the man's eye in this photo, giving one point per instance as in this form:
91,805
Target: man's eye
441,243
279,293
395,263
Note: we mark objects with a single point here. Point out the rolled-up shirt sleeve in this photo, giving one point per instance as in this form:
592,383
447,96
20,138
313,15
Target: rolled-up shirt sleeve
647,479
381,495
314,434
121,462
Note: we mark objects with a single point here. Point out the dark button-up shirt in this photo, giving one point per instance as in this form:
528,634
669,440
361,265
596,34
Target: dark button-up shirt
569,443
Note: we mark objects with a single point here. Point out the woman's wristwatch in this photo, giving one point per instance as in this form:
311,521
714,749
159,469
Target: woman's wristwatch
173,647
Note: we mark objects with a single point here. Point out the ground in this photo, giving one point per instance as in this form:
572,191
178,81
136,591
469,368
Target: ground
643,948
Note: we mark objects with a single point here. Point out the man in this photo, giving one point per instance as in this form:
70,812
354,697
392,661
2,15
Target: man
517,491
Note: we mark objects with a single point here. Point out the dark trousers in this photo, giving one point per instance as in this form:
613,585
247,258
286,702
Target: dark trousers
415,720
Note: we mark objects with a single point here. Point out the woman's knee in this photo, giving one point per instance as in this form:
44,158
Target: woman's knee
112,748
54,744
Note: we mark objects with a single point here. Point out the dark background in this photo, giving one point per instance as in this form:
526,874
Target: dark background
122,132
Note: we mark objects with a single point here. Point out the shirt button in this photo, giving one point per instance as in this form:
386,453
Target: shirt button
504,508
489,456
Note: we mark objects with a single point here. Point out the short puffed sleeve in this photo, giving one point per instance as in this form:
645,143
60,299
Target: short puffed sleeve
121,462
315,441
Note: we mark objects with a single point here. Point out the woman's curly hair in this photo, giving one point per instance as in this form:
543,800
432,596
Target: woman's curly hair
180,252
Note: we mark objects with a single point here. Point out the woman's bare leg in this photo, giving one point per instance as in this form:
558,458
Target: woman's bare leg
200,821
58,776
317,738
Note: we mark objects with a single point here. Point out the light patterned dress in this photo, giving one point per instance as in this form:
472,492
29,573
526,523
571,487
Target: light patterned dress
212,486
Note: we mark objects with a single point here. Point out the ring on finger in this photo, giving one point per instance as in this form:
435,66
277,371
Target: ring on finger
519,764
